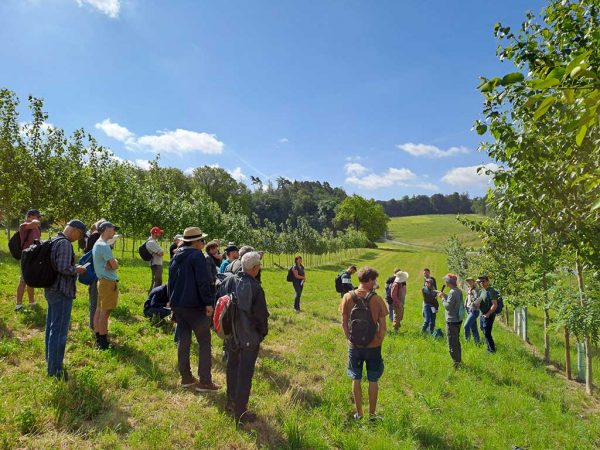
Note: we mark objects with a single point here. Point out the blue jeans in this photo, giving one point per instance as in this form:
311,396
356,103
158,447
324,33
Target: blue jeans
298,288
429,318
471,326
390,312
487,326
57,326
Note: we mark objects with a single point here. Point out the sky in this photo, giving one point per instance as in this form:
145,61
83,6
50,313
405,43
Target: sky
377,97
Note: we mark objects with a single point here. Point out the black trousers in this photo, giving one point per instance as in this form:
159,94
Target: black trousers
240,370
193,320
453,331
298,288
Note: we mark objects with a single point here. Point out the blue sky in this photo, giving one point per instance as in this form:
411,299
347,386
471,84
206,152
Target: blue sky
377,97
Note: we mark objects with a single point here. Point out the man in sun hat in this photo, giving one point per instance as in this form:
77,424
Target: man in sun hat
398,294
191,299
156,263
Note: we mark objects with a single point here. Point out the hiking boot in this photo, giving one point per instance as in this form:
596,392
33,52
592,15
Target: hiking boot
188,382
207,387
375,418
19,307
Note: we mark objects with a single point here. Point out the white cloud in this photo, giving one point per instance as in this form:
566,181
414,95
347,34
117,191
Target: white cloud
430,151
355,169
115,131
389,178
182,141
179,141
142,164
354,158
237,174
189,171
109,7
468,177
284,140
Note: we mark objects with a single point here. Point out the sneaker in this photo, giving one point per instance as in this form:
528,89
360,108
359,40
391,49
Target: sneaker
207,387
189,382
19,307
375,418
357,416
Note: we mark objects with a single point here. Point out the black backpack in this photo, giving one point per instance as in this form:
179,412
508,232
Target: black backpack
15,246
388,288
144,252
361,327
339,286
36,264
290,275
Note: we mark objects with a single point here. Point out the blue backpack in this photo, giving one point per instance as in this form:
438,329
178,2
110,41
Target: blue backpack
88,277
499,300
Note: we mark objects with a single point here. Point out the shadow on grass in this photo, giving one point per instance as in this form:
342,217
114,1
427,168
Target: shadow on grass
123,313
143,365
430,438
5,332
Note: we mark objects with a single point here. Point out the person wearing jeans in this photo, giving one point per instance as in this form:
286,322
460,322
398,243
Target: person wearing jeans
489,304
60,296
430,307
472,307
299,279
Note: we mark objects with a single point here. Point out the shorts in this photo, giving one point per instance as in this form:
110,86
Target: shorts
370,356
108,294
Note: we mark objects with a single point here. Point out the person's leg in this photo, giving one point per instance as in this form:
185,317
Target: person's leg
398,314
474,329
66,306
298,289
373,391
20,291
486,327
357,393
158,275
244,380
426,317
233,362
31,295
432,324
200,324
49,313
491,343
469,326
93,295
59,312
391,312
451,331
184,331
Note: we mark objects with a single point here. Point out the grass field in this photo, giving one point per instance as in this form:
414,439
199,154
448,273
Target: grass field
128,397
431,230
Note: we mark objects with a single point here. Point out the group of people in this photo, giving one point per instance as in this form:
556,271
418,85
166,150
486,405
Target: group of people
197,279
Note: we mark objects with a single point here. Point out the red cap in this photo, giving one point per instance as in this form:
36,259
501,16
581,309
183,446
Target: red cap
156,230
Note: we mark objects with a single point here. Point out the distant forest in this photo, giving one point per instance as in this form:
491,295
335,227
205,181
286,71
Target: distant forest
436,204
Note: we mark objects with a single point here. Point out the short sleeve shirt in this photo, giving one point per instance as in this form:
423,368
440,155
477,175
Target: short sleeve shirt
102,253
377,307
28,235
155,249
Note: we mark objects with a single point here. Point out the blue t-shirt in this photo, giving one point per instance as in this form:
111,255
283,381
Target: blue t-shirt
102,253
224,265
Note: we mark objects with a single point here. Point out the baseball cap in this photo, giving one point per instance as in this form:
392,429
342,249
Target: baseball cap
104,225
156,230
33,212
77,224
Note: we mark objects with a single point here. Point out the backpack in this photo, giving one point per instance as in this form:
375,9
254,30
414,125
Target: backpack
36,264
89,276
339,286
361,327
144,252
15,246
499,300
290,275
388,288
225,315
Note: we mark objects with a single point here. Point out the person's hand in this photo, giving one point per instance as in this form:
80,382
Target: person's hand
209,311
80,270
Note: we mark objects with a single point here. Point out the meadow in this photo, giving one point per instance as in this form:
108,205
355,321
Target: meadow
432,230
129,397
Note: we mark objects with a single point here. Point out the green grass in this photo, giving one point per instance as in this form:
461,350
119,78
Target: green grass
128,397
431,230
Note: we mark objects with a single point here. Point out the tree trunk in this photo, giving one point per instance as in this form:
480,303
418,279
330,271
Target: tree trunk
546,336
588,341
567,355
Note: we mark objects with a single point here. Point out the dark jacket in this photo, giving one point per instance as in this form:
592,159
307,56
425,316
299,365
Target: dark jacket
156,302
252,320
212,266
91,240
189,283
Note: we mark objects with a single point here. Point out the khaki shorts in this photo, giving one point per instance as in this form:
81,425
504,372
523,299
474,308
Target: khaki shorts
108,294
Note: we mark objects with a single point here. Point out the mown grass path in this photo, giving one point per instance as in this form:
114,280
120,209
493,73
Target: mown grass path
128,397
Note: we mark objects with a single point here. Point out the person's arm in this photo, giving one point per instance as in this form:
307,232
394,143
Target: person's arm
345,319
296,275
154,248
31,225
382,327
112,264
62,258
261,313
202,281
395,292
492,309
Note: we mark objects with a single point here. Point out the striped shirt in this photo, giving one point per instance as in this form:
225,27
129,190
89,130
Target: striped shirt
63,261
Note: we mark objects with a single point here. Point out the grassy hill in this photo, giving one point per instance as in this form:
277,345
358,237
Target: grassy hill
129,398
431,230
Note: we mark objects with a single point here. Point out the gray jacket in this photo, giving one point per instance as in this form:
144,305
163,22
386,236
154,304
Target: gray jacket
452,303
252,321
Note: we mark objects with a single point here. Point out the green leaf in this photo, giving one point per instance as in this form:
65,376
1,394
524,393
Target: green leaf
543,108
544,84
481,128
511,78
596,205
532,100
576,61
569,96
557,72
581,135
